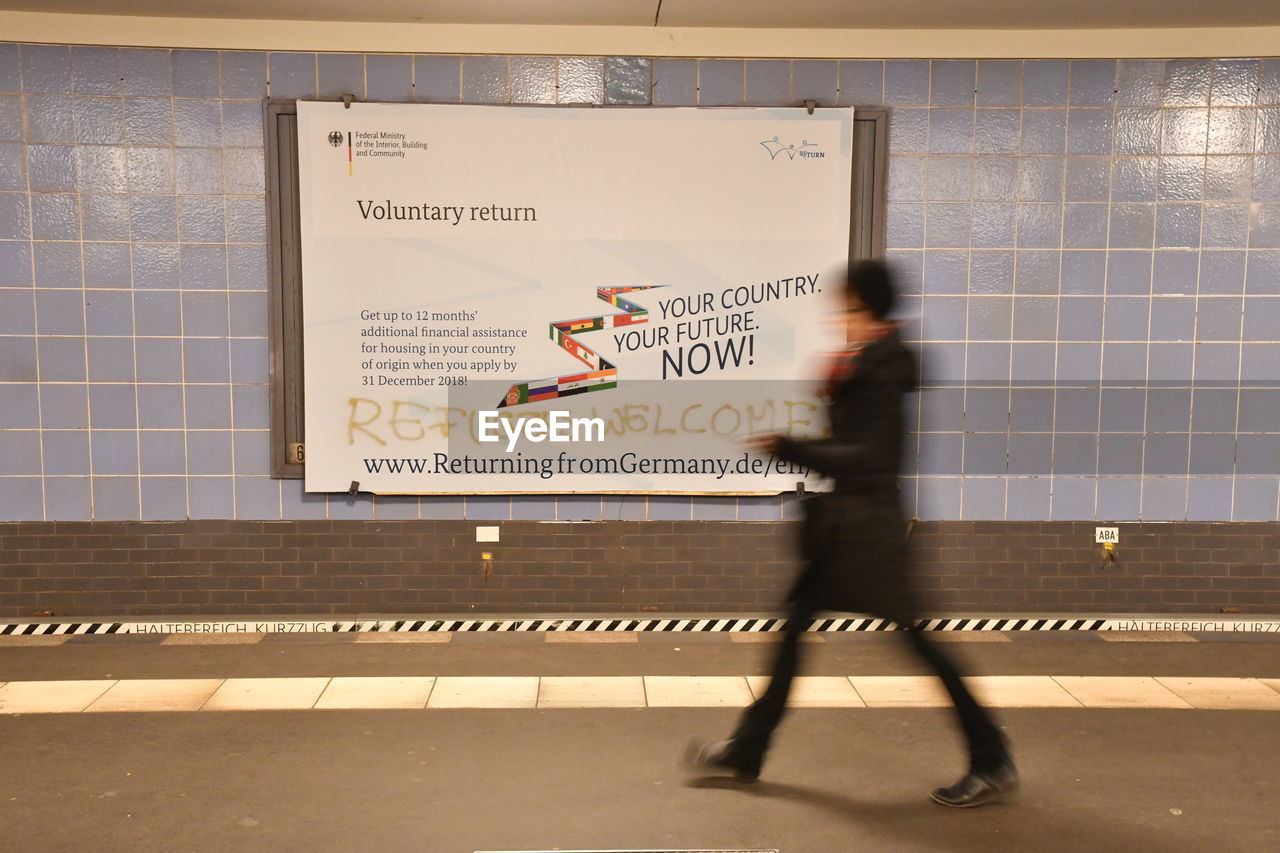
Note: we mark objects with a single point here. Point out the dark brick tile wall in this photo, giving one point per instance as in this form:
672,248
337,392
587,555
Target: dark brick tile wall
230,568
1172,567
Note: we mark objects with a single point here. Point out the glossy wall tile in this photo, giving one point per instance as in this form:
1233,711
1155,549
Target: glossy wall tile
1089,252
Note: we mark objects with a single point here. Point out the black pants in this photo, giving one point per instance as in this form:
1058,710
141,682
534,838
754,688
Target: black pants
986,744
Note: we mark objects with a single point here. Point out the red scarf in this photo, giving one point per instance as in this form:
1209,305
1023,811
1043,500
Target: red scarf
839,368
842,362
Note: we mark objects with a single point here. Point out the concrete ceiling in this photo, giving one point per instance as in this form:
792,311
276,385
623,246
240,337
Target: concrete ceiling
822,14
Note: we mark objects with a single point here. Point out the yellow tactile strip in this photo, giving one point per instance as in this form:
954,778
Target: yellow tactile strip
653,691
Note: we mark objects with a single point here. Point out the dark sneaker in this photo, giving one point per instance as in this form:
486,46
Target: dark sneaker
707,758
977,789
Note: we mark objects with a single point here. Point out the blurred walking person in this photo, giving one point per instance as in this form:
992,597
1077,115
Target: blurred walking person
853,543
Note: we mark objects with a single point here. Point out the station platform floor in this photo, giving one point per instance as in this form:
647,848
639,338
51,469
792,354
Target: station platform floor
466,742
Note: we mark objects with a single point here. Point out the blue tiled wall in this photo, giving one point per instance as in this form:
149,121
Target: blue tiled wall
1091,251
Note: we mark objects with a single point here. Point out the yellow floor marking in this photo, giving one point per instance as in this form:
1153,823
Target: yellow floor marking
628,691
1020,691
266,694
159,694
602,691
50,697
900,691
1109,691
1232,694
697,691
485,692
813,691
376,692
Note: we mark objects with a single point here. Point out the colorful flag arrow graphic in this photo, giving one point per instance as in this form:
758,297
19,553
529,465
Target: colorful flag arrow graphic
603,374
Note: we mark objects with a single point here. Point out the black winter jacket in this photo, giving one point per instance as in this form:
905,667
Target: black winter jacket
853,538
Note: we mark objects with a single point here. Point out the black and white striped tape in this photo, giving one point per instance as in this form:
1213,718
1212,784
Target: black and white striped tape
754,625
44,628
1250,624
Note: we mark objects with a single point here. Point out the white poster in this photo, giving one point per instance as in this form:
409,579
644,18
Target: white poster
528,299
